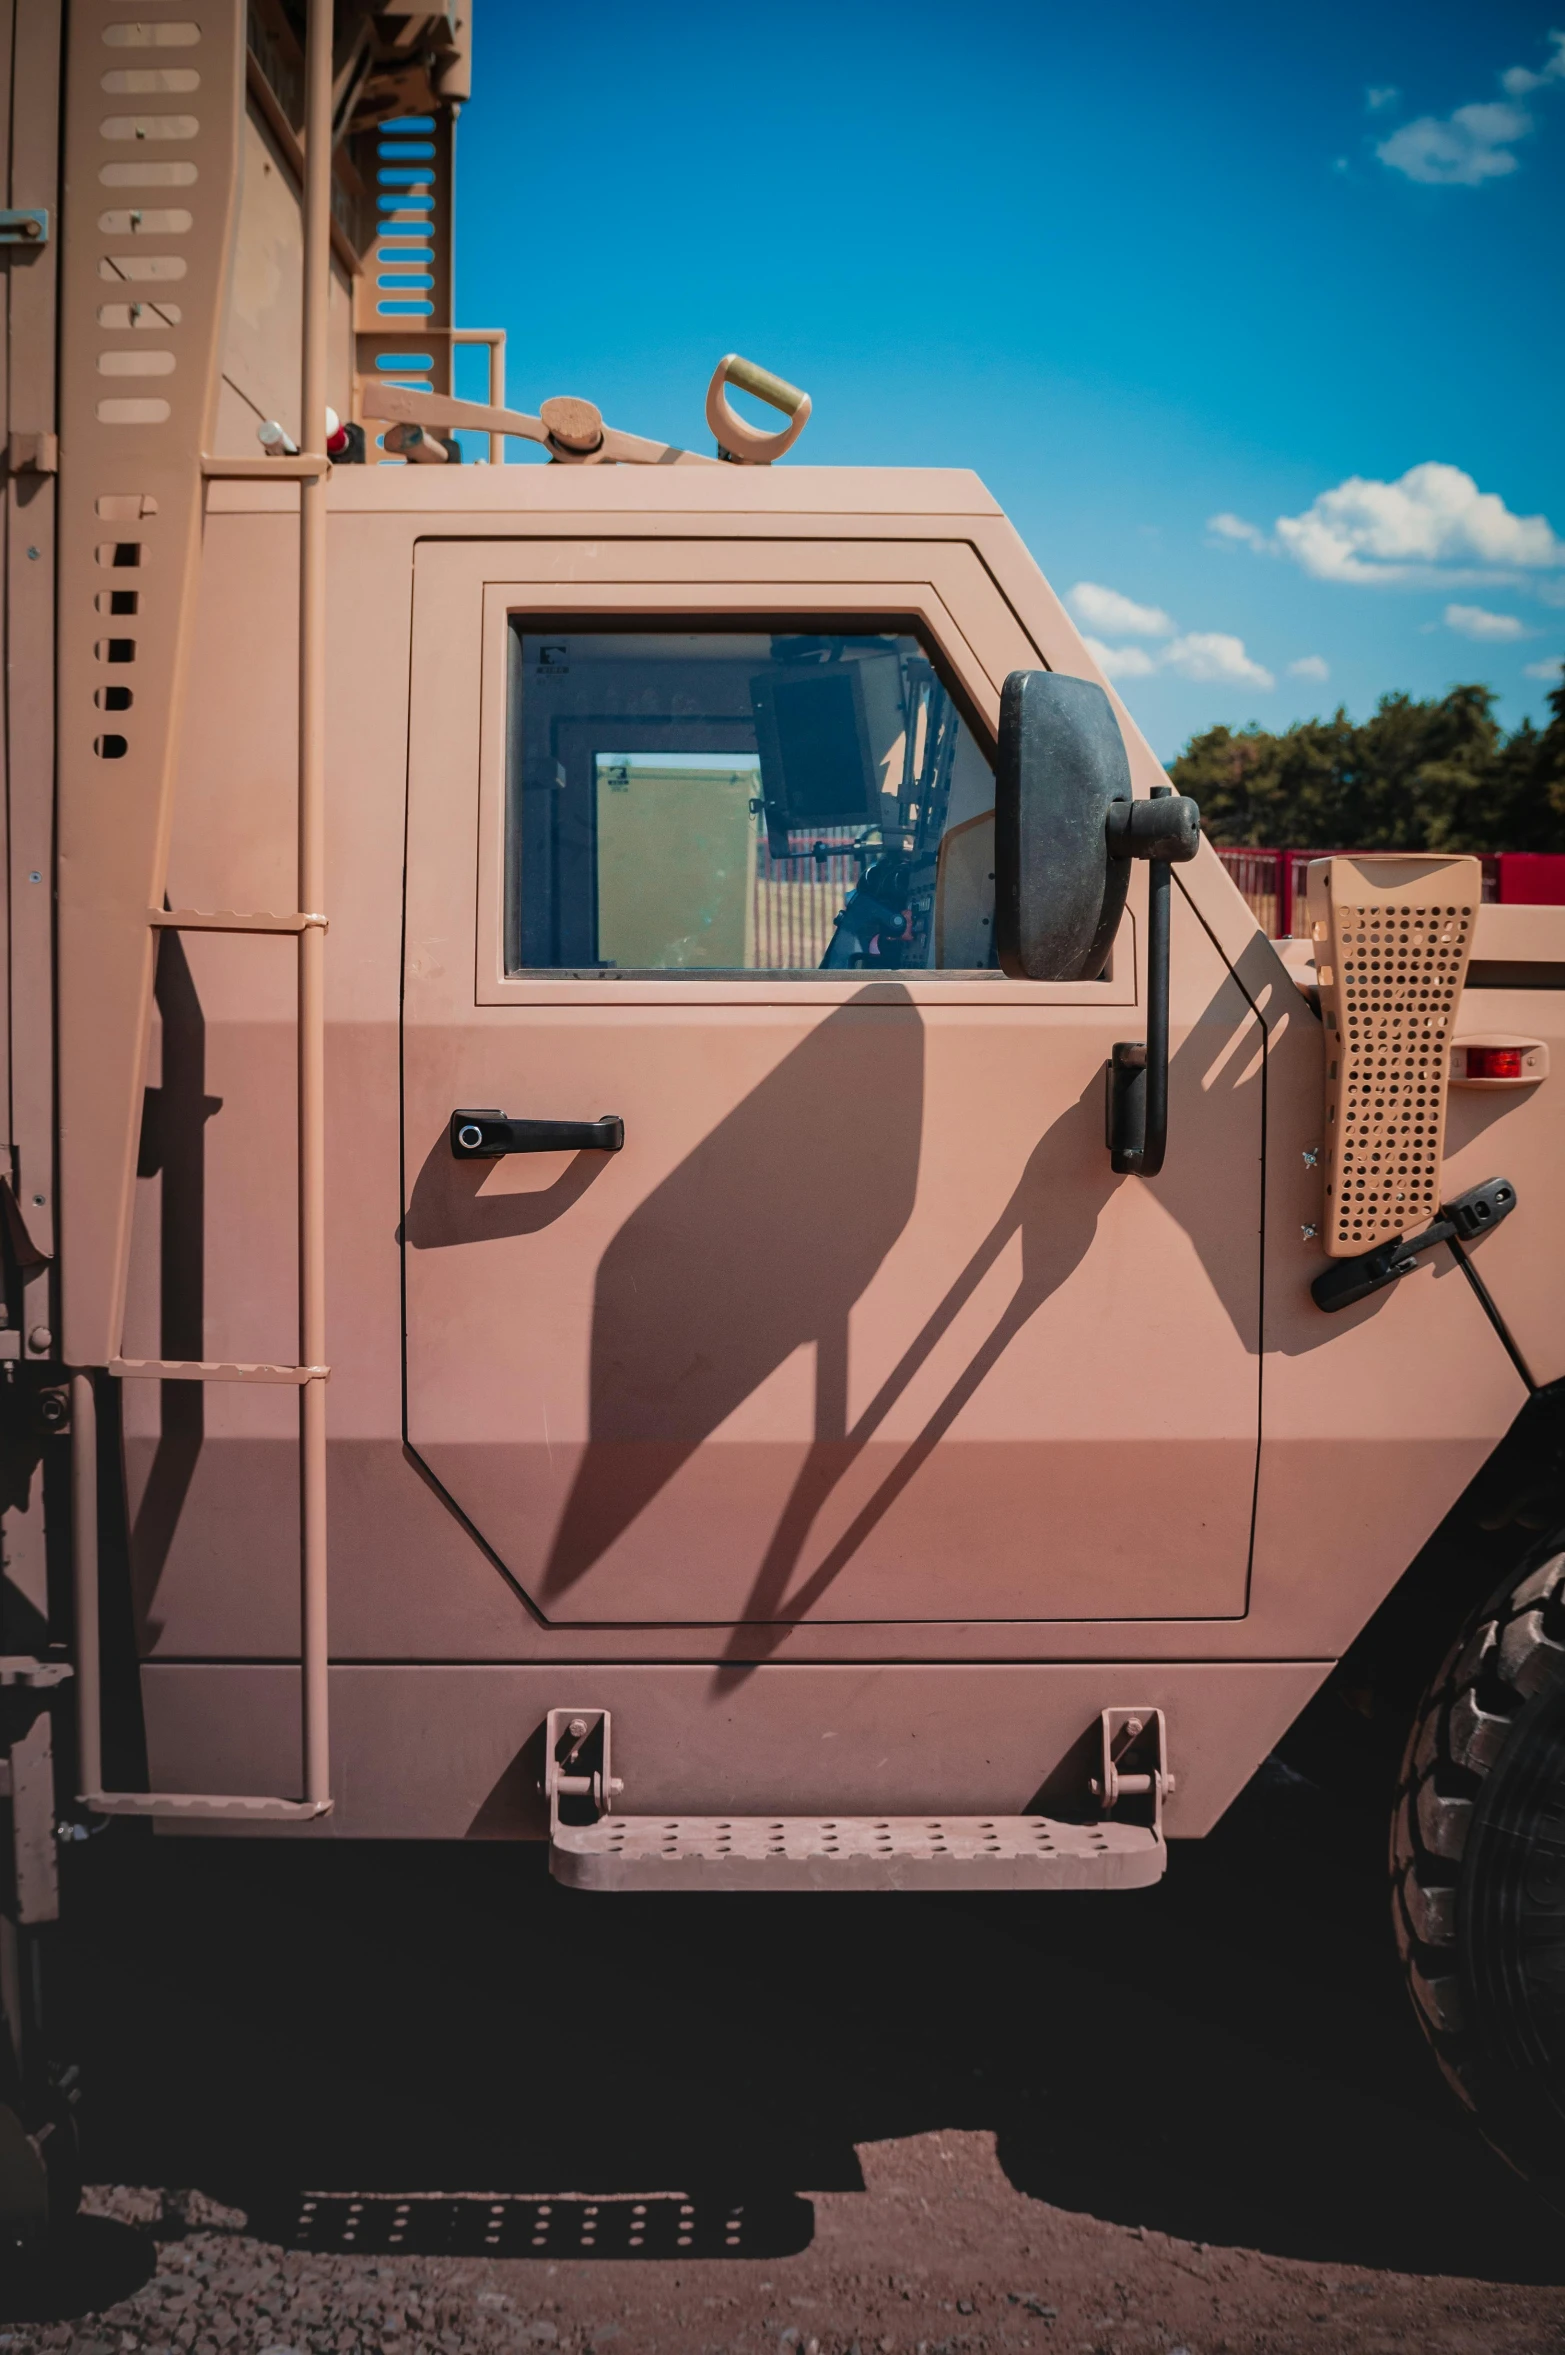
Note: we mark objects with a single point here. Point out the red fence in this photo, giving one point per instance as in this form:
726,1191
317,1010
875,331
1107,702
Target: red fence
1274,881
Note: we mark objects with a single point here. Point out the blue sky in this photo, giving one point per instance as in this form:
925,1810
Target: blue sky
1140,267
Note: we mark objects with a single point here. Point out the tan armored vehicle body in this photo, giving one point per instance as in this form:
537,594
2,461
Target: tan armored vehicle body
614,1276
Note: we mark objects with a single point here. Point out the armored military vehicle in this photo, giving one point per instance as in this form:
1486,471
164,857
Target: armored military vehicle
656,1197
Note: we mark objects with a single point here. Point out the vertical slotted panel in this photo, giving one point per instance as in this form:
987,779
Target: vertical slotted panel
404,298
33,181
147,211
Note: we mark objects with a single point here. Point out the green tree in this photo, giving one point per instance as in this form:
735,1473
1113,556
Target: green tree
1437,774
1550,756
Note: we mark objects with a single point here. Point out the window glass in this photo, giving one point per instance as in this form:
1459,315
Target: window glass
726,801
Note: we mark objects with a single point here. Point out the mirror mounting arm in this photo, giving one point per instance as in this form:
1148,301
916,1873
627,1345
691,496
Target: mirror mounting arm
1162,830
1067,825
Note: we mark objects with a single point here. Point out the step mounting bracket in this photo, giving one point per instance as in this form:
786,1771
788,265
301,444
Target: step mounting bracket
1134,1765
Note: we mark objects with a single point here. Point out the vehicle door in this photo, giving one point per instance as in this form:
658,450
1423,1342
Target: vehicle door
858,1324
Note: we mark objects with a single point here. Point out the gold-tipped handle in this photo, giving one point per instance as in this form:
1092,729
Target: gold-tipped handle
742,442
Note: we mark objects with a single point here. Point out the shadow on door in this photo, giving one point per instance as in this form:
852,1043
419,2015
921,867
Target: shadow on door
758,1244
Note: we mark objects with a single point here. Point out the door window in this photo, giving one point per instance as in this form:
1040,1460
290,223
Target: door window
737,802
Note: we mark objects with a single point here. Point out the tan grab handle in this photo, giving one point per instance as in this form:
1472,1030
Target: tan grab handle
738,440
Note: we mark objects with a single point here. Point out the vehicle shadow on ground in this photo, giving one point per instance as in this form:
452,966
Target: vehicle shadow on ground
1228,2058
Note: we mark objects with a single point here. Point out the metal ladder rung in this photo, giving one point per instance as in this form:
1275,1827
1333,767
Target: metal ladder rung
204,1804
201,1369
230,920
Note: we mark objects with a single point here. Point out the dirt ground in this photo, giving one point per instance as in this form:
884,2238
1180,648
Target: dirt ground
427,2100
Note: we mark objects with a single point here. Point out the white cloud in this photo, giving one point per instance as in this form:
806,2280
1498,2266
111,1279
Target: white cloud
1472,145
1475,621
1309,666
1209,656
1235,529
1544,670
1519,80
1213,657
1414,530
1387,95
1106,609
1121,662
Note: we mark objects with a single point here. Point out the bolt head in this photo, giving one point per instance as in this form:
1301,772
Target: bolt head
577,1728
39,1340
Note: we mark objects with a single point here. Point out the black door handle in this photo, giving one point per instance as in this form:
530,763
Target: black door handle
484,1136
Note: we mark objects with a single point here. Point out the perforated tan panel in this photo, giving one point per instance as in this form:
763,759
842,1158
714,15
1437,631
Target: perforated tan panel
1392,938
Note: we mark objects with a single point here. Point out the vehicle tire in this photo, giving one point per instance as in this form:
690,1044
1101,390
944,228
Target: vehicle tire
1478,1867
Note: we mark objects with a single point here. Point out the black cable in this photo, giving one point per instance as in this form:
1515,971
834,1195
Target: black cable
1481,1291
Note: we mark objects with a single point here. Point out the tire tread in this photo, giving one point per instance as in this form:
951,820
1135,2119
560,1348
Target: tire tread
1509,1651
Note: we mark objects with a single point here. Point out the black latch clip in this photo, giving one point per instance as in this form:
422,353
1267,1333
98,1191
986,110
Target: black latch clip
1347,1281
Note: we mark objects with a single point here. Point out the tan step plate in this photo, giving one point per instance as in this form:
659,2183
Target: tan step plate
854,1852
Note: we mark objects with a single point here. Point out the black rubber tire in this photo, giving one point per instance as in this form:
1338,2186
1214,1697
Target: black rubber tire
1478,1867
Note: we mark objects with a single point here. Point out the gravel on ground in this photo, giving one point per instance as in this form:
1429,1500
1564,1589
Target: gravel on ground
431,2101
938,2255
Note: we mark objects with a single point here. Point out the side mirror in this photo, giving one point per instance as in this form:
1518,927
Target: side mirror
1066,829
1059,892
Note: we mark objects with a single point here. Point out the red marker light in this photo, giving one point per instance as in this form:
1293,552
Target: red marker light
1496,1063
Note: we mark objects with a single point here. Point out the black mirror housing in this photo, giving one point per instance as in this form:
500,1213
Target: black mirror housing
1066,829
1059,888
